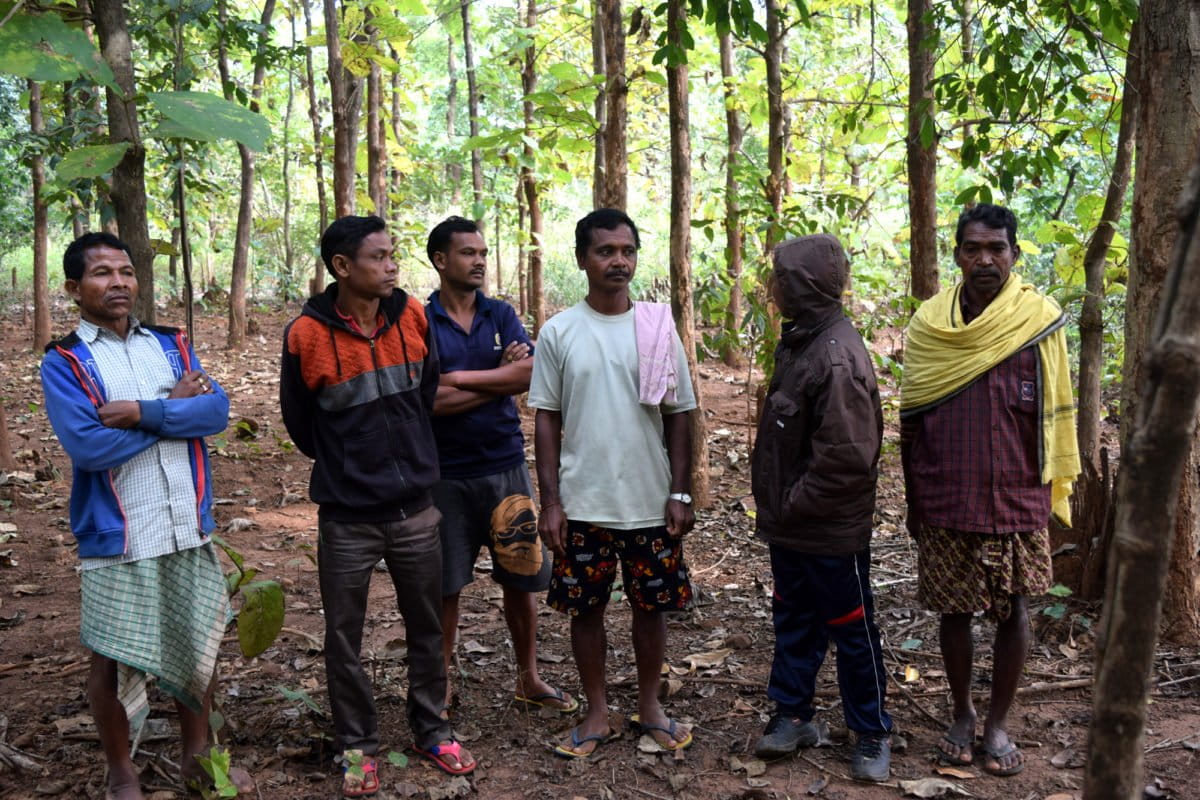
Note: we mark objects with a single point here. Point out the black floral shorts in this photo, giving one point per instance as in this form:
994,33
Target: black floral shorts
652,569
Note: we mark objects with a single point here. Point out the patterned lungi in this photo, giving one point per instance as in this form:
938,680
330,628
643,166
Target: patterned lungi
961,572
159,617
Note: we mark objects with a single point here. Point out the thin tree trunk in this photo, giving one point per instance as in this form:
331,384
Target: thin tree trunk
600,106
1155,460
730,352
616,90
497,260
239,270
185,242
682,305
523,288
78,216
921,147
776,137
346,93
453,169
473,113
376,141
289,256
314,114
394,172
8,462
1091,316
1168,126
537,294
128,177
41,225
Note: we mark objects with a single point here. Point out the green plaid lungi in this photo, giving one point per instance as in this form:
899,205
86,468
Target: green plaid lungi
159,617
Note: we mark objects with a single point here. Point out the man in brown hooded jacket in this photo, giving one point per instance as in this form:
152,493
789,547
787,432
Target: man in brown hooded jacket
814,468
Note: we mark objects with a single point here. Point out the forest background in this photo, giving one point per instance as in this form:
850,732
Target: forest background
722,126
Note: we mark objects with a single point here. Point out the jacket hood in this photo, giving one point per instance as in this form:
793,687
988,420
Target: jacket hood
321,306
810,273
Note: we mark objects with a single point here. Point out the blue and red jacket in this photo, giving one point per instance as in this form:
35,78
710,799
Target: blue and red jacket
74,391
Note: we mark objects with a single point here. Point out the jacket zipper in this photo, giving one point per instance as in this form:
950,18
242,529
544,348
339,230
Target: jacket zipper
383,406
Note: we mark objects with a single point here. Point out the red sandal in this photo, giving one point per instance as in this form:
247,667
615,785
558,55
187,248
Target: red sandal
437,754
364,785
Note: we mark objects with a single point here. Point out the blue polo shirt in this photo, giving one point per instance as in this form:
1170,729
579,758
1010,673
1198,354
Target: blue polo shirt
487,439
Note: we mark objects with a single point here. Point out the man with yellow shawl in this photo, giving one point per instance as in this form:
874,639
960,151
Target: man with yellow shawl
988,448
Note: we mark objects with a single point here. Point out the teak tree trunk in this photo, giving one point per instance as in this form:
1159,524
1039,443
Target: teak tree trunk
453,169
236,335
1167,129
1155,460
537,293
616,156
128,177
1091,316
731,352
345,91
314,115
473,114
776,137
682,306
41,227
376,141
921,152
599,105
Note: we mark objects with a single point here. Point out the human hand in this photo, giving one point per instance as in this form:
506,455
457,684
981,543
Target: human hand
516,351
552,527
191,384
120,414
680,518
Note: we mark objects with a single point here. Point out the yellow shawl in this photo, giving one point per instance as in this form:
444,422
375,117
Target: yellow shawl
943,356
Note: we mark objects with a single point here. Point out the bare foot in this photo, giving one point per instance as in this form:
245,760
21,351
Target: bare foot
539,693
957,745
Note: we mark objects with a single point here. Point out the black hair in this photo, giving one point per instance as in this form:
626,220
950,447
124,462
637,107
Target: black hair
443,232
608,219
992,217
73,256
344,236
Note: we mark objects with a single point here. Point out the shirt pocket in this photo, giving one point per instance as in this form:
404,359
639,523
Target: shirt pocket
784,418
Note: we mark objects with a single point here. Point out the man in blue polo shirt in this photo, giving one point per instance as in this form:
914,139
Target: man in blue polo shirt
485,495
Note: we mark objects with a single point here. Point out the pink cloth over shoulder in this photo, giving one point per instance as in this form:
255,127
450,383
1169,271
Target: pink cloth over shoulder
654,329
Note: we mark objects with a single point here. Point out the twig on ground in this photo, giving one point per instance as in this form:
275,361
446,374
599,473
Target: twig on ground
312,640
12,758
711,567
822,767
1054,686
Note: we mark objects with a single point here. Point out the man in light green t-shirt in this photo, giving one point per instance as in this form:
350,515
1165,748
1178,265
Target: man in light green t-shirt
611,491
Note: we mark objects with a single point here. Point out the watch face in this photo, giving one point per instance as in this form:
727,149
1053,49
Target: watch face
682,497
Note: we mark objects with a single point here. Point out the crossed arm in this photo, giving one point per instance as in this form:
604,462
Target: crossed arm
464,390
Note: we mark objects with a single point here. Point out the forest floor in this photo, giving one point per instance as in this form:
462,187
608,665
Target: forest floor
274,706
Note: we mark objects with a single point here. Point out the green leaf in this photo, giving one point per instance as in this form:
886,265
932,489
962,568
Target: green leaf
214,116
656,77
44,48
1058,590
261,616
1056,611
910,644
170,129
90,162
397,759
299,696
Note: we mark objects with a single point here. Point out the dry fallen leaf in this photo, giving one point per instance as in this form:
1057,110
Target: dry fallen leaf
817,786
932,787
954,772
911,674
710,659
26,588
1063,796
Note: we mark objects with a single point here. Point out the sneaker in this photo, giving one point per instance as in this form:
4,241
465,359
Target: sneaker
872,759
785,735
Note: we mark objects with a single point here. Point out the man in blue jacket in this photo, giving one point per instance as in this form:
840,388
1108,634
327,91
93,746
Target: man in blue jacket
130,403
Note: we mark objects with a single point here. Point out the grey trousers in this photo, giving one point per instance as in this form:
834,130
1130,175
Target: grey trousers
346,555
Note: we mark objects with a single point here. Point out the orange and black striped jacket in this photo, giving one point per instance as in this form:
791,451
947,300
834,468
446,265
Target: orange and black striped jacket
360,407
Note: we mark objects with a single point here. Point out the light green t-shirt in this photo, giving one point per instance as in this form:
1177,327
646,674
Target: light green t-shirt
613,469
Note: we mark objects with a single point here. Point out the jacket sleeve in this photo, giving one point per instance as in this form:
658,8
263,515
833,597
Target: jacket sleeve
845,447
187,417
297,403
92,446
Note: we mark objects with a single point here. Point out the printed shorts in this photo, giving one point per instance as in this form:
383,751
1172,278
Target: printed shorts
961,572
495,511
652,569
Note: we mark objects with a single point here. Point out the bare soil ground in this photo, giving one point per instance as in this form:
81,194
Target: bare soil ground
718,654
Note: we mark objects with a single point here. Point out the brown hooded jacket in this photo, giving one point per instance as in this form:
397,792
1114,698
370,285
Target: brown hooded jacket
816,456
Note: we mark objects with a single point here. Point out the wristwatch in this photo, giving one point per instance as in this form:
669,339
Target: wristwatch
682,497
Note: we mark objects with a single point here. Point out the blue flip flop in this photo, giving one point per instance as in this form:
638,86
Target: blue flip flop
578,741
636,723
